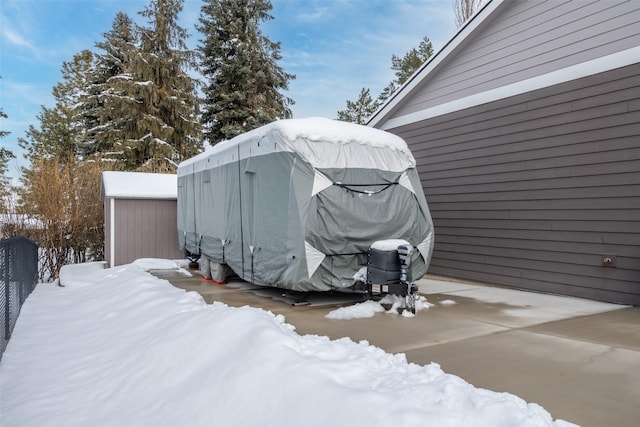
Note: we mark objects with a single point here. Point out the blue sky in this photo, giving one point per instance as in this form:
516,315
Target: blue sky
335,47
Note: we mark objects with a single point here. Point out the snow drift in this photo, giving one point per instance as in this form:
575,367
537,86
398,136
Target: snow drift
122,347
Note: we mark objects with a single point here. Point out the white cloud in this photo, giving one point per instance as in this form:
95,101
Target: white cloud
14,38
318,14
337,47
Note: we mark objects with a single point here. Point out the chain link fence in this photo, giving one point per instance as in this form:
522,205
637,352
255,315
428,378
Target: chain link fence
18,276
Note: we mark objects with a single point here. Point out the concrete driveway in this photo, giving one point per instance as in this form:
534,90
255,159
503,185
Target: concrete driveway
579,359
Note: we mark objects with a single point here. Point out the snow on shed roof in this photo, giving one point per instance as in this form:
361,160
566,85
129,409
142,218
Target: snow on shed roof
139,185
324,143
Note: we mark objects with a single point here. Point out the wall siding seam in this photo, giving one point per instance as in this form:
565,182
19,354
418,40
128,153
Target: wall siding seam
576,257
630,203
603,192
431,179
533,164
542,235
517,149
566,182
566,215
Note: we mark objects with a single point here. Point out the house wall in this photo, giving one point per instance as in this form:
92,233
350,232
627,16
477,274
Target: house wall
533,190
527,39
144,229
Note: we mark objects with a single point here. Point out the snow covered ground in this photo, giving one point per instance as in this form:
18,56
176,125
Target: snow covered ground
120,347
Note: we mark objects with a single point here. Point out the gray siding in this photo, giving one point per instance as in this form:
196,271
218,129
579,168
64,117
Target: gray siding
531,191
145,229
527,39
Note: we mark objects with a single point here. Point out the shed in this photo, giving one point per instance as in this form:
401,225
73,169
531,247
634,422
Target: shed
525,128
140,216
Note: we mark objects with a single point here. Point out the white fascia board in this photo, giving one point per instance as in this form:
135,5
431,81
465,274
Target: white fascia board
433,63
585,69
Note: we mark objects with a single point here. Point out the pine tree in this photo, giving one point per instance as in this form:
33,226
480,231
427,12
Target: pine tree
168,113
412,60
144,98
111,100
71,100
62,131
240,65
361,110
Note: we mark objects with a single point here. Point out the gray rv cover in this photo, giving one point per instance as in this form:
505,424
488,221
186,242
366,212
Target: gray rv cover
296,204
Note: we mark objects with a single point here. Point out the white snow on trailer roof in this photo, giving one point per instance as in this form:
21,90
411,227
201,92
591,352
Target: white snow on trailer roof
324,143
139,185
338,132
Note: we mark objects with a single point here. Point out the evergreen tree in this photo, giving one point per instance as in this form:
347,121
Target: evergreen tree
240,67
145,101
62,129
361,110
389,90
407,65
111,99
71,101
168,117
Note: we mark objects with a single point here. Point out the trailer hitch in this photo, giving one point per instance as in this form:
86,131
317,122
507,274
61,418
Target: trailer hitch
409,297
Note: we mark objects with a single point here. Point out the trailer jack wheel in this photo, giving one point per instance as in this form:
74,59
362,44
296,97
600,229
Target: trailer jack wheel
411,298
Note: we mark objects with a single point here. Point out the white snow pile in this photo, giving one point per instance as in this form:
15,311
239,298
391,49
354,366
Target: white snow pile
361,310
80,274
389,303
448,302
129,349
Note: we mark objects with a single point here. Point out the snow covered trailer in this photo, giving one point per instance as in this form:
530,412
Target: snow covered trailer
297,204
